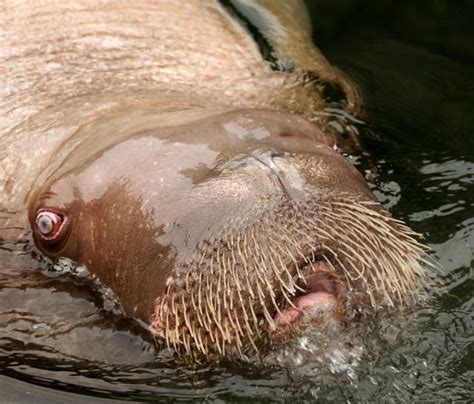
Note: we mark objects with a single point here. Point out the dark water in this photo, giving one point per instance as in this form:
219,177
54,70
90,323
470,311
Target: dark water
414,61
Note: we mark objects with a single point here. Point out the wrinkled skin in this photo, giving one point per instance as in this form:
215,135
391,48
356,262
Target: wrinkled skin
172,176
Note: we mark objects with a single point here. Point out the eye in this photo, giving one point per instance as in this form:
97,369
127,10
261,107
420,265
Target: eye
49,224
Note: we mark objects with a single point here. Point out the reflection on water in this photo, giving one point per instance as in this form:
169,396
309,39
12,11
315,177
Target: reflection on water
56,330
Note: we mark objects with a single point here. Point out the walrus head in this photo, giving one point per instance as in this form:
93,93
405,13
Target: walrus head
220,231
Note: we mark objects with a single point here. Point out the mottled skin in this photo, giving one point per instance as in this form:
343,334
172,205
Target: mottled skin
155,130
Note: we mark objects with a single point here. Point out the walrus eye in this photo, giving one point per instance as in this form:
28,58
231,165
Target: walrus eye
49,224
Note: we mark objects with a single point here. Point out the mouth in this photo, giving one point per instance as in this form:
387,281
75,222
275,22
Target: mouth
319,294
264,286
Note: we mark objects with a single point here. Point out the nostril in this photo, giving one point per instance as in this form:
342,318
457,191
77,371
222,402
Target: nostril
275,153
268,158
266,155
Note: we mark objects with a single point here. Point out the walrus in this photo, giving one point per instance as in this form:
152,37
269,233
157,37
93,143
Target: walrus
176,150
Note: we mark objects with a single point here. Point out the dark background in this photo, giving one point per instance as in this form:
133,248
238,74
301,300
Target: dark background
414,60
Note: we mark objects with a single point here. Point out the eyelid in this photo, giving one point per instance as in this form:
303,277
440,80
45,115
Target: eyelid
54,217
58,236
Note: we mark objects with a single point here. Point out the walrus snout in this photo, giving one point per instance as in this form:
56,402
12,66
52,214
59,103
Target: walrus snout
218,230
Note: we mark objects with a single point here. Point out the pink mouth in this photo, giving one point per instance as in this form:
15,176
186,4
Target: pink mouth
321,296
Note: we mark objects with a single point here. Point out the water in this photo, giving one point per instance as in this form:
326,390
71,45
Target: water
60,339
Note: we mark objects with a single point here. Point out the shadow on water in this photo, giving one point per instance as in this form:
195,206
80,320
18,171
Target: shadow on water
414,62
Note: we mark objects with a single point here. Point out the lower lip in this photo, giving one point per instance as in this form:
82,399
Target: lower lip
311,302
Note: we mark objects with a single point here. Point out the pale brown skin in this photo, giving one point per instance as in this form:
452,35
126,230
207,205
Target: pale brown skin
66,64
151,135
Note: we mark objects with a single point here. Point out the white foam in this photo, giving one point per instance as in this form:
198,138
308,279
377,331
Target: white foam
330,348
111,303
